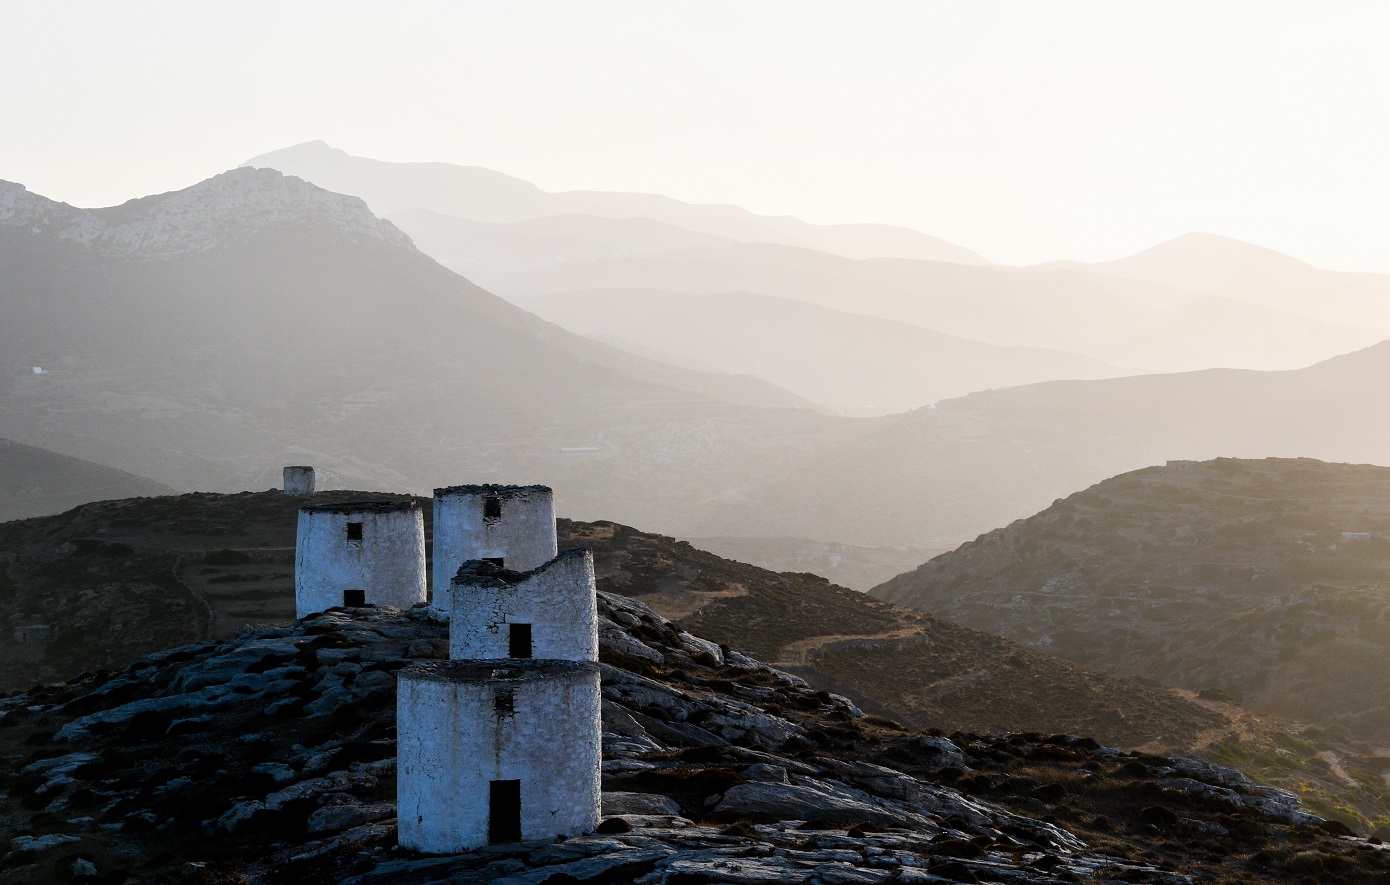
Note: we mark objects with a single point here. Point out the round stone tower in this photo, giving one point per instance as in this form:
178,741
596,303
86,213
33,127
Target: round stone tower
511,526
363,553
549,612
496,751
299,481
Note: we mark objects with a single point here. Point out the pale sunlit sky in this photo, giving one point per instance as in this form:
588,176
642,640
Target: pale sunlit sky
1027,131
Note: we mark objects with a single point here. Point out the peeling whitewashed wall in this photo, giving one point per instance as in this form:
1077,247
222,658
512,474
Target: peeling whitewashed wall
523,535
387,564
558,601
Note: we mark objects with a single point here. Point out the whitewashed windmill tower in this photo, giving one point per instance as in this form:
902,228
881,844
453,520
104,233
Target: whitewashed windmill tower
360,553
501,742
510,526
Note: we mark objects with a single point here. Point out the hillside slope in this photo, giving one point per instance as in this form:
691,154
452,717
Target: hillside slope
118,579
205,337
37,482
1264,579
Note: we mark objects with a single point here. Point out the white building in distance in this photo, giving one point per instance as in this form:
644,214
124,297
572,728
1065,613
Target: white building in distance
549,612
299,481
356,554
510,526
496,751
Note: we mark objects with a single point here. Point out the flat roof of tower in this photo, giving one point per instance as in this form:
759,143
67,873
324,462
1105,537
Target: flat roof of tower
495,489
498,670
350,507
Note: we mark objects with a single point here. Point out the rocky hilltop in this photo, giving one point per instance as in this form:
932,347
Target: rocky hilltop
197,218
270,758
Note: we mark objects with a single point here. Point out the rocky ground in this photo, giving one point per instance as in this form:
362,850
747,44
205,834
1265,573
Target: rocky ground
269,758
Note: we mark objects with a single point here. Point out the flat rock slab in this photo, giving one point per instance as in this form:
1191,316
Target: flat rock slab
619,802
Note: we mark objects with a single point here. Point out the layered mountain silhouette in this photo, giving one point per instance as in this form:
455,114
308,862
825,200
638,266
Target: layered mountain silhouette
974,463
478,194
208,336
850,362
1232,269
1169,311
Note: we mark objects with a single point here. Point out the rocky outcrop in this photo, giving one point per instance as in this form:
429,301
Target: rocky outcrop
197,218
270,758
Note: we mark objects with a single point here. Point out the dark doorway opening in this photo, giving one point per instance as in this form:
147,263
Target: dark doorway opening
354,531
519,640
504,811
495,560
354,598
492,508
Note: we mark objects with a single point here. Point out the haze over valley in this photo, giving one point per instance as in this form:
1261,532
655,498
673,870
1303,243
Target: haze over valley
682,445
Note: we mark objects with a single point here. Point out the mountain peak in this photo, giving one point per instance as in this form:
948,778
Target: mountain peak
242,200
317,150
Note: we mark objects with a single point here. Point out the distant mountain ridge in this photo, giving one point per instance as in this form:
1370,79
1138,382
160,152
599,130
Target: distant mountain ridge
972,464
852,363
196,218
314,333
1197,303
473,192
1242,271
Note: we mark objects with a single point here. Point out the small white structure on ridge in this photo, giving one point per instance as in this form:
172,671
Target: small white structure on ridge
361,553
549,612
299,481
496,751
510,526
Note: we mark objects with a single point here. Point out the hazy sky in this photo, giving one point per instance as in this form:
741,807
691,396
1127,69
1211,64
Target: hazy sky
1027,131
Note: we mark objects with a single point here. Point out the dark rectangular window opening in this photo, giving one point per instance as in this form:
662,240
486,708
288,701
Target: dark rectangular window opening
354,531
519,640
504,702
495,560
504,811
492,507
354,598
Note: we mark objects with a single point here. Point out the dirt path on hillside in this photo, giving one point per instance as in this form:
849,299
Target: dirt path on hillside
798,654
1239,721
1335,765
676,604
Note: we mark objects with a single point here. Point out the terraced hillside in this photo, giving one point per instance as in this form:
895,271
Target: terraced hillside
121,578
1268,580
